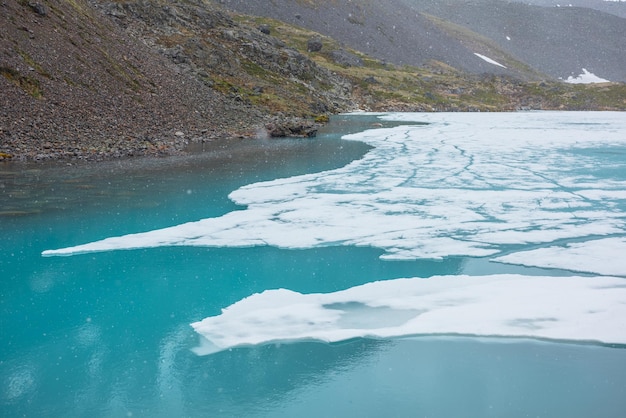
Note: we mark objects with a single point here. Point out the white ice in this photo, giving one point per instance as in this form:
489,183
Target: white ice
489,60
586,78
464,184
556,308
602,256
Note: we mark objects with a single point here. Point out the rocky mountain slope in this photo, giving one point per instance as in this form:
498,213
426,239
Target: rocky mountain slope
94,79
615,7
111,79
558,41
76,85
530,41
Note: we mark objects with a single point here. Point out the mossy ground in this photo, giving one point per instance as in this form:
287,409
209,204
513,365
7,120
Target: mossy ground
29,84
438,87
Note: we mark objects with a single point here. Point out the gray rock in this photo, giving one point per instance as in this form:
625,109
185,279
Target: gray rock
292,127
38,8
314,44
345,58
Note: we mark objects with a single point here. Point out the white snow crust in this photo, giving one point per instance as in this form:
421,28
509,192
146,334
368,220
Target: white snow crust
604,256
557,308
464,184
489,60
586,77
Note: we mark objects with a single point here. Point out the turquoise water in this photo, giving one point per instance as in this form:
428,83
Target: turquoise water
108,335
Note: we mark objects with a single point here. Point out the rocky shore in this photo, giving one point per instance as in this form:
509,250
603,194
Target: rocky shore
102,80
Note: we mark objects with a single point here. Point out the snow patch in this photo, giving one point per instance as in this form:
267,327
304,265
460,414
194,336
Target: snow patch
586,78
489,60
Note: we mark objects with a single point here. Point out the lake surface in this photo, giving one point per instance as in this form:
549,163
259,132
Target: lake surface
106,331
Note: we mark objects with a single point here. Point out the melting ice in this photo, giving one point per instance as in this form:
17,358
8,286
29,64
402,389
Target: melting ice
461,185
545,189
562,308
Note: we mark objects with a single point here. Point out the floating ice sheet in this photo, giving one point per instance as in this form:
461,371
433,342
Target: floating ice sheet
463,184
604,256
559,308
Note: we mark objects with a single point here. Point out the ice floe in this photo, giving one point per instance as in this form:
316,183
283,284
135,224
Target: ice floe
461,184
602,256
558,308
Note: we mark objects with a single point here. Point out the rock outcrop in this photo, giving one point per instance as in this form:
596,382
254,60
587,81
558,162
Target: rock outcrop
292,127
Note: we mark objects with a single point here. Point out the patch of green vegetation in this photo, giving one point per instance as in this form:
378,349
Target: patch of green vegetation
31,62
83,10
558,95
77,5
29,84
255,70
609,96
271,101
116,70
438,86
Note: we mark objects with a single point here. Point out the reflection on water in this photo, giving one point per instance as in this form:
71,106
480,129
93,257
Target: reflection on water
468,377
30,188
413,377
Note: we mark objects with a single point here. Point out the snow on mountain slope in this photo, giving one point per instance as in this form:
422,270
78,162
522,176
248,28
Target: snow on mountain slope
531,41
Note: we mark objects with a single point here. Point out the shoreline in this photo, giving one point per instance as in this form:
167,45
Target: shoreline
88,147
32,187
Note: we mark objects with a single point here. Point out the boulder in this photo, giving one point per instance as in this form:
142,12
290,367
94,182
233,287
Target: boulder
345,58
314,44
292,127
38,8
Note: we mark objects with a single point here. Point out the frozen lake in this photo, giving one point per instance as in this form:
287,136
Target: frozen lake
455,262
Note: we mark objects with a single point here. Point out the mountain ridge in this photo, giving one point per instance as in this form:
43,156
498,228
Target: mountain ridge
555,42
